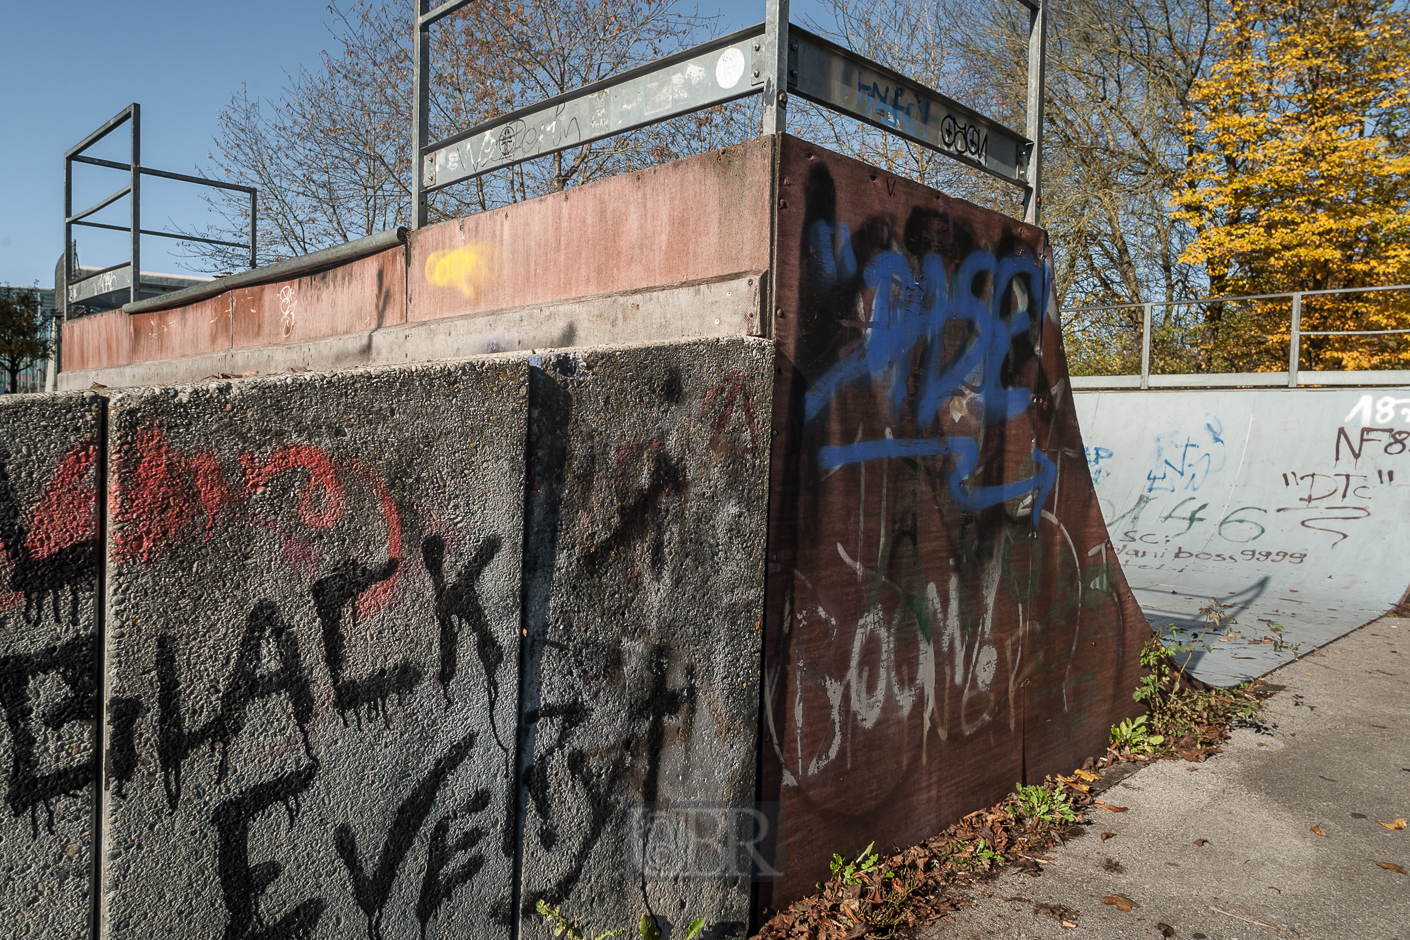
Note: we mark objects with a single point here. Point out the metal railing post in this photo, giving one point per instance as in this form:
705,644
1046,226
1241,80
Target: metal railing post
421,111
68,236
1037,71
253,207
775,67
135,291
1145,345
1295,340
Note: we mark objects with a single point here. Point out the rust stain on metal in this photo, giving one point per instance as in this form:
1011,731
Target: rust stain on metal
202,327
692,220
102,339
362,295
944,616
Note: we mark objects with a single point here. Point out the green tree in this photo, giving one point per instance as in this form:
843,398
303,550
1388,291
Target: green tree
1298,176
22,330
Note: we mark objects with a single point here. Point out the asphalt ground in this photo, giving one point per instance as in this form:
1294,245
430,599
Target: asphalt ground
1332,751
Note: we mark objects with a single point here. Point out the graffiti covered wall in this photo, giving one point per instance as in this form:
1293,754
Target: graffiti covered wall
345,689
945,617
644,584
312,655
49,551
1212,499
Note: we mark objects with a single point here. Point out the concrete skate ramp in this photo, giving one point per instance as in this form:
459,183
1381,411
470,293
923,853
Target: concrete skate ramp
1285,505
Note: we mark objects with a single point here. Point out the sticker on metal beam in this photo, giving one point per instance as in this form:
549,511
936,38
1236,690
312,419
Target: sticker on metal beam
103,282
846,82
709,77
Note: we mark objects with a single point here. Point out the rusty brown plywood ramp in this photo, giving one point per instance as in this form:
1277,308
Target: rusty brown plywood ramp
945,615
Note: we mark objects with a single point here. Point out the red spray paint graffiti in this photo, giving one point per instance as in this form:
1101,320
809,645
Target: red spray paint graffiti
64,514
158,492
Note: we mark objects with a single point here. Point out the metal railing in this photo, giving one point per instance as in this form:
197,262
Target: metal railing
1292,378
126,274
772,59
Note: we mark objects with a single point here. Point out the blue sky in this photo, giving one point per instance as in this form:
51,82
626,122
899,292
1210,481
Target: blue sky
69,67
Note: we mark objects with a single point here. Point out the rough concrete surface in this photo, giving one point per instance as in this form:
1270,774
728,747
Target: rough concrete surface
1331,752
312,655
49,479
644,569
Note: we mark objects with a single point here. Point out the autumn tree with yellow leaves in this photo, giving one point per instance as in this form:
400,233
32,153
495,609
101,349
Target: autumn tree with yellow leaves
1298,178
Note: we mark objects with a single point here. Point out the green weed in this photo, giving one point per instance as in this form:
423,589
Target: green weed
1133,735
851,872
1040,806
1182,718
571,930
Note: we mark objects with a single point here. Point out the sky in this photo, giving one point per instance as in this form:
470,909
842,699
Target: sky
69,67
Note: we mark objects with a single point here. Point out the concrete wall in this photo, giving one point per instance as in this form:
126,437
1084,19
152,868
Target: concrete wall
313,611
644,595
346,690
1285,504
50,475
667,253
945,614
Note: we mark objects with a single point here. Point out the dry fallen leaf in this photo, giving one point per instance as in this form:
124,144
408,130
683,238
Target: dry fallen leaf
1318,830
1068,923
1112,809
1398,824
1122,903
1165,930
1087,776
1201,841
1107,835
1391,866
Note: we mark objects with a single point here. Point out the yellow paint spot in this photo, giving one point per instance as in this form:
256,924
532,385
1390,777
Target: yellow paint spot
466,268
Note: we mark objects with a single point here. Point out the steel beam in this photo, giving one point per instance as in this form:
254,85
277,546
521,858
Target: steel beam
697,78
777,49
135,289
1037,82
845,81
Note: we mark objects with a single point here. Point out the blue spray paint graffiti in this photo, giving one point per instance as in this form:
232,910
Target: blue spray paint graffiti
1184,462
1095,456
907,311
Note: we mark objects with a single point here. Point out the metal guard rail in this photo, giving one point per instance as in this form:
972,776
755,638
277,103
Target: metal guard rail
771,59
1290,378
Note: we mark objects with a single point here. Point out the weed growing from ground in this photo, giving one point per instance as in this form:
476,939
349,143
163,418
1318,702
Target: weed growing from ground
1042,807
852,873
1132,737
1182,718
646,927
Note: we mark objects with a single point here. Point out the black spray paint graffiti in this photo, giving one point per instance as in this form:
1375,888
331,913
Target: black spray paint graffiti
372,888
245,685
447,868
460,601
58,551
268,664
243,883
629,773
31,786
331,595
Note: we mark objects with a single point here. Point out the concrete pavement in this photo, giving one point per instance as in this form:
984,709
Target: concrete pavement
1332,751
